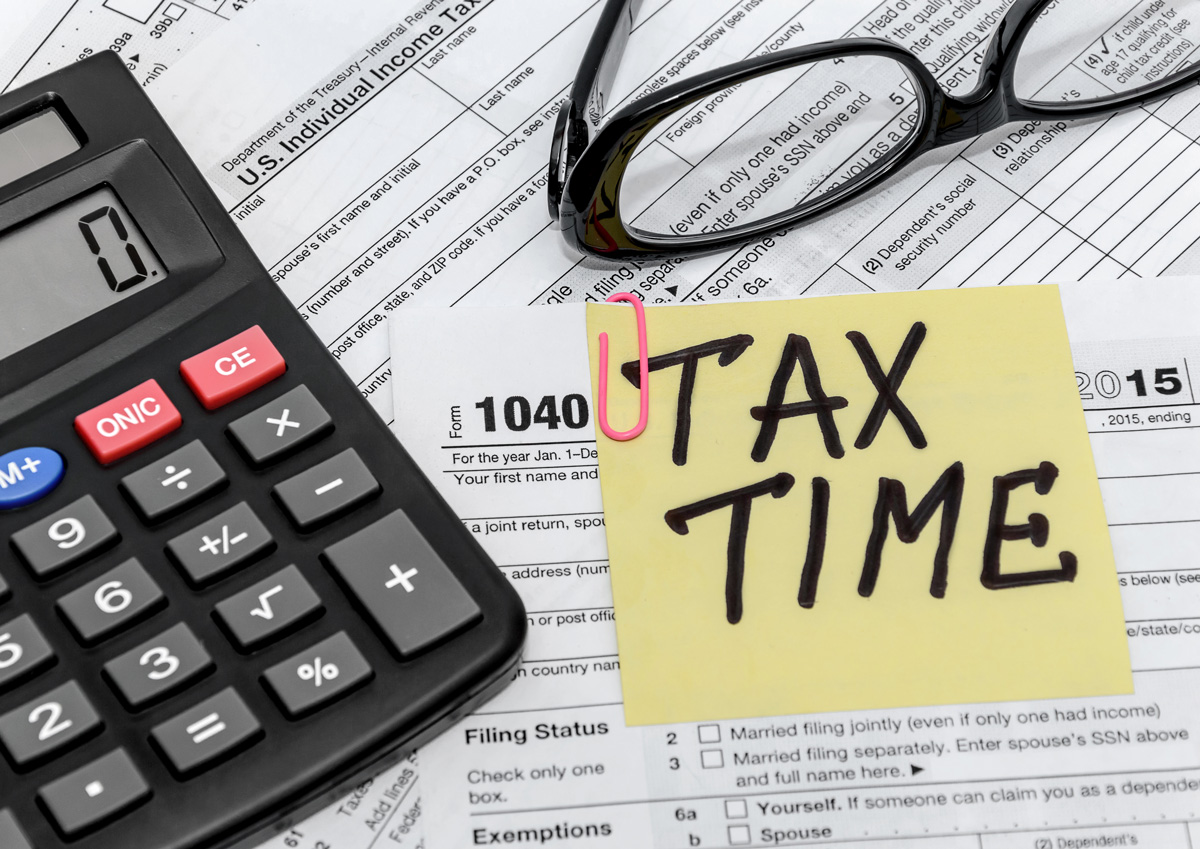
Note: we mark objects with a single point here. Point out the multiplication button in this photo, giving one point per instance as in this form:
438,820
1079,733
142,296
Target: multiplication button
406,588
225,542
208,733
174,482
317,676
287,424
326,490
92,795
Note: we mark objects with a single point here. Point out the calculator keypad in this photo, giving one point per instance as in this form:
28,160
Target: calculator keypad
112,602
47,725
65,538
269,609
315,677
327,490
23,650
277,429
85,798
158,666
388,568
404,586
206,734
213,549
176,481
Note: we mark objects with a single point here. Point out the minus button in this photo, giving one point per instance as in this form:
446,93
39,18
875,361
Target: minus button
327,490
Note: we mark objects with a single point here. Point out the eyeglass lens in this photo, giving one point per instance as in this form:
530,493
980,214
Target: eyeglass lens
795,137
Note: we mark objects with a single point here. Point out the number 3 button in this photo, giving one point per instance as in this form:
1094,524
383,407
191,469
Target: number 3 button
113,601
159,666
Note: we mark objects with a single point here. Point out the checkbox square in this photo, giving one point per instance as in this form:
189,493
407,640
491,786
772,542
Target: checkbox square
712,759
174,11
739,835
735,809
709,733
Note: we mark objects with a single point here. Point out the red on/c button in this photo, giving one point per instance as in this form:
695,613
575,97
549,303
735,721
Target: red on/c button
228,371
128,422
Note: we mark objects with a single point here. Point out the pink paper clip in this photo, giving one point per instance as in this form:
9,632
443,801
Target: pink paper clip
643,370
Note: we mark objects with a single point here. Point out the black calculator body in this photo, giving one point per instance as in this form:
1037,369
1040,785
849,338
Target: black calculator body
226,591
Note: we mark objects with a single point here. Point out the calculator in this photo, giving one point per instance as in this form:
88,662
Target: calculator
226,592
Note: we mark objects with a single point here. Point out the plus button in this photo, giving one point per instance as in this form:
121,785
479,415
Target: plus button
401,579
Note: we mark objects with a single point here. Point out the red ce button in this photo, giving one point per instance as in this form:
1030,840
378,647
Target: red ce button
228,371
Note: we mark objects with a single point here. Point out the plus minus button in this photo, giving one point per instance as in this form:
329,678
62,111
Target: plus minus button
401,578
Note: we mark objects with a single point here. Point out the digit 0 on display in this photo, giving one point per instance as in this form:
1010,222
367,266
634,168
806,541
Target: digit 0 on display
107,213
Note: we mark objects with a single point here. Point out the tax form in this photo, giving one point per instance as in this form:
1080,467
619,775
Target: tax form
379,158
508,438
40,36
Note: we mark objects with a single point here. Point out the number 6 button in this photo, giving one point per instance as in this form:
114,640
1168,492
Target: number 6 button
158,666
113,601
46,725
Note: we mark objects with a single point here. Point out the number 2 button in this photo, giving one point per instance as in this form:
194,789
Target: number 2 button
113,601
47,725
158,667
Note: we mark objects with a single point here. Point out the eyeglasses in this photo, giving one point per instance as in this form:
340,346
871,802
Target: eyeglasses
786,137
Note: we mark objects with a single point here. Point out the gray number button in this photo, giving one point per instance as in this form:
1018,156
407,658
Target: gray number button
23,650
65,537
48,725
159,666
176,481
115,600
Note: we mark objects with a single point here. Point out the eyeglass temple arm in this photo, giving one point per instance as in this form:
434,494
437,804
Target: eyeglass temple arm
589,93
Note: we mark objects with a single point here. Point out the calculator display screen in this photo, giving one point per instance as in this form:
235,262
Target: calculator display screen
68,264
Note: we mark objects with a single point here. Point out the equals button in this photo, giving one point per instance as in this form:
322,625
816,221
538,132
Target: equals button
327,490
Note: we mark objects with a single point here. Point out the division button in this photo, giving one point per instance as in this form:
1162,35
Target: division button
27,475
213,549
237,366
65,537
128,422
23,650
176,481
326,490
47,725
208,733
274,430
407,590
95,794
159,666
11,835
269,609
317,676
114,601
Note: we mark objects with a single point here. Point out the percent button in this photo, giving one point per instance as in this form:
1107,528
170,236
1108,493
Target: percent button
316,676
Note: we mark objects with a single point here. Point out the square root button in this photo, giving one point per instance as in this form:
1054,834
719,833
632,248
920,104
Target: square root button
405,587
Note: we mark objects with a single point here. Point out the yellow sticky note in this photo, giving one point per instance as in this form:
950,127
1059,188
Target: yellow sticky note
865,501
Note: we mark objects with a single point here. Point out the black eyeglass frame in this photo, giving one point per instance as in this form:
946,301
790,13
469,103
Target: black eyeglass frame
588,158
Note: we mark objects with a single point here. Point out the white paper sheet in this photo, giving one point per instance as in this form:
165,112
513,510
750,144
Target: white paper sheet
40,36
550,761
